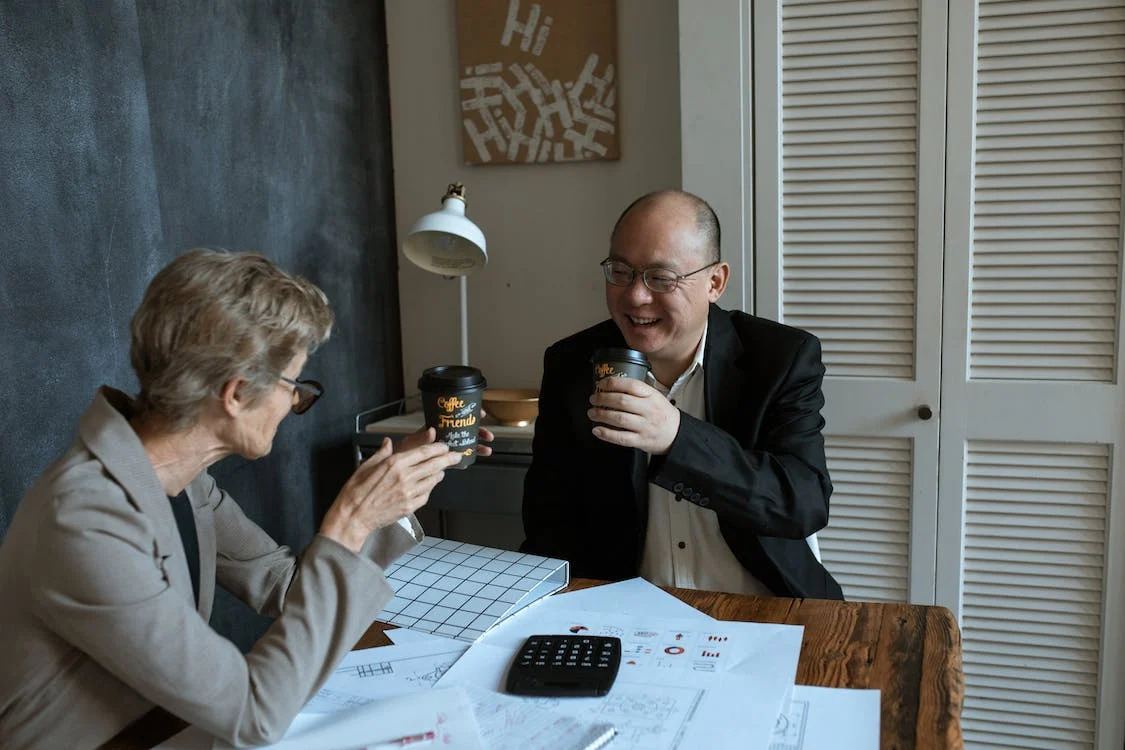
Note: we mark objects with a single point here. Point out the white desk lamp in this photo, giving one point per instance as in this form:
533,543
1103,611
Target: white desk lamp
447,243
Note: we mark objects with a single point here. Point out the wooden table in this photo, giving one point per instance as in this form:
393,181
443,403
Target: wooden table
912,653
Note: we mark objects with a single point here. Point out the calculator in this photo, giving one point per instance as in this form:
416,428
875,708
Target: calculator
565,665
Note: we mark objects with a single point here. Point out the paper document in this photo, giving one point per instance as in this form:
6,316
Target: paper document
461,590
635,596
445,711
508,723
408,637
683,683
371,674
818,718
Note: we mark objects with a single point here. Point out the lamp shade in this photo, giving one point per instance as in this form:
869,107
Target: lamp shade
446,242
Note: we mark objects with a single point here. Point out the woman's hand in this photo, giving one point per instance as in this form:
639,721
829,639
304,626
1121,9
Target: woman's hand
426,435
386,487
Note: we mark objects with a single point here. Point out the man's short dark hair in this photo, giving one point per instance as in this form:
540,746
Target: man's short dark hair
706,220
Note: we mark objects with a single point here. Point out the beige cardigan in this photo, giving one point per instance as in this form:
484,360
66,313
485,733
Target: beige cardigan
97,620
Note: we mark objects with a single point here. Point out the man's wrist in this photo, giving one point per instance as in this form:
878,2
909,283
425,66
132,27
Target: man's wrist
675,432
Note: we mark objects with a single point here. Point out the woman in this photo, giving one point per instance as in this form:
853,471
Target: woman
108,570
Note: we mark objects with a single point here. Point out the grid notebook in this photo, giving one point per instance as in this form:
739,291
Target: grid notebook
460,590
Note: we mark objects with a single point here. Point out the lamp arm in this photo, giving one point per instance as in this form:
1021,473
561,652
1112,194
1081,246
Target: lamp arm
464,320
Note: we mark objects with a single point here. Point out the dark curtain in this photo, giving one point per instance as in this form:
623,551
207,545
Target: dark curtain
132,131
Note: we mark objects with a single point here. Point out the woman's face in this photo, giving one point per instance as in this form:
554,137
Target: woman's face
259,424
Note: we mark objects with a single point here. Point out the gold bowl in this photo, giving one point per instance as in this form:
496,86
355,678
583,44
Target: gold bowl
514,407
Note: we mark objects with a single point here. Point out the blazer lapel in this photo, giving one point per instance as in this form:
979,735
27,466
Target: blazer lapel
626,465
724,382
636,463
107,434
205,531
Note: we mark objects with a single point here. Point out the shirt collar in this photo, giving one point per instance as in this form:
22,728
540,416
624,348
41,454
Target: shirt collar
696,364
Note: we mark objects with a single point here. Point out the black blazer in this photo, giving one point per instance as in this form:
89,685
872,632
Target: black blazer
757,460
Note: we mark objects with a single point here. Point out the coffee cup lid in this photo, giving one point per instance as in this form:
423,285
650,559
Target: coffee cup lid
451,378
620,354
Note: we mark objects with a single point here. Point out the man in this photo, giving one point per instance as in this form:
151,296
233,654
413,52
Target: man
709,475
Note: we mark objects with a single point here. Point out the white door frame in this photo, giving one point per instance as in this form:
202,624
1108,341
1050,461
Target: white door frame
716,129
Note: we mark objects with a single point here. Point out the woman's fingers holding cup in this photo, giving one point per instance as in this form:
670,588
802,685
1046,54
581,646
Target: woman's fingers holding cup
386,448
484,436
424,436
423,490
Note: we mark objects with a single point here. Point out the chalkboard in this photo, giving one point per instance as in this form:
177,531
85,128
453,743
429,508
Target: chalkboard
133,131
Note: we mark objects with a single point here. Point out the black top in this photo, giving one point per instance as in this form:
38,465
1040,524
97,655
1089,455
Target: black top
185,522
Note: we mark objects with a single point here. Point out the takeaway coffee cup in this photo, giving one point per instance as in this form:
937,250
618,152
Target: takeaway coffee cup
451,396
618,362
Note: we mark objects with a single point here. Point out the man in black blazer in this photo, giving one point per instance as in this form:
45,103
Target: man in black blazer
712,473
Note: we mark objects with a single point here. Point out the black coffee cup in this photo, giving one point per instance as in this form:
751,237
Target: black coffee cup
618,362
451,398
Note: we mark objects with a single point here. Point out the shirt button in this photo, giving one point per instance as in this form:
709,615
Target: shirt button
687,491
681,545
695,497
704,502
677,487
672,402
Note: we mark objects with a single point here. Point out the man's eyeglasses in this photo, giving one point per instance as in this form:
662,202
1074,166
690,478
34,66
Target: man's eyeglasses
660,280
306,391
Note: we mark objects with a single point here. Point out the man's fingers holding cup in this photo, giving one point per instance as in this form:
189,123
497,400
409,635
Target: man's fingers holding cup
618,420
631,386
617,401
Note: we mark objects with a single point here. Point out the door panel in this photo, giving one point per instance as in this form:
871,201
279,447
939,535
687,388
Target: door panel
849,138
1032,416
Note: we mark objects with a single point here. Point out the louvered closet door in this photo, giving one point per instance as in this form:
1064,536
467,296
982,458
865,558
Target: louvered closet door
1031,515
849,137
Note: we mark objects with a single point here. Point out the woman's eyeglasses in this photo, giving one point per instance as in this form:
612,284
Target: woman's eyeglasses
306,391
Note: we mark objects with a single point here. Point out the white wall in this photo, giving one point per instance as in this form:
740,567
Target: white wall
547,226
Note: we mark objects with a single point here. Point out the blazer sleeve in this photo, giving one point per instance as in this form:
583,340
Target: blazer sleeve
778,487
253,567
550,523
104,590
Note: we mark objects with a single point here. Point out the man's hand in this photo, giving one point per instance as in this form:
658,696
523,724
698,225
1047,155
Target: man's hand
426,435
632,413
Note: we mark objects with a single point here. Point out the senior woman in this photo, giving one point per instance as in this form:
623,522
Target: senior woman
108,571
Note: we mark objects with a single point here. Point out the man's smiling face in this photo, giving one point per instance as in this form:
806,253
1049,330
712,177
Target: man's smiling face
663,233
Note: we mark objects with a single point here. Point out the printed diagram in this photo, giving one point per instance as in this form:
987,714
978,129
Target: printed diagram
406,669
360,684
645,716
672,649
789,734
338,700
429,678
367,670
518,104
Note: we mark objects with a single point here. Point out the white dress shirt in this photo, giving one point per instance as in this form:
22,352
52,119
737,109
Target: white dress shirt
683,544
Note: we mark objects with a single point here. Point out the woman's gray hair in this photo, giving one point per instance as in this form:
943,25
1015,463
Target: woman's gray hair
211,316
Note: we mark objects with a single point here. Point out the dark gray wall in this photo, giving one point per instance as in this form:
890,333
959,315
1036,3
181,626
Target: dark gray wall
132,131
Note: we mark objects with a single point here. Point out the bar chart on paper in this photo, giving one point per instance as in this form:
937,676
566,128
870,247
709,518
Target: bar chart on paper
461,590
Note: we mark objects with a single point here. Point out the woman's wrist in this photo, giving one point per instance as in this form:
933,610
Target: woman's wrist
347,535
